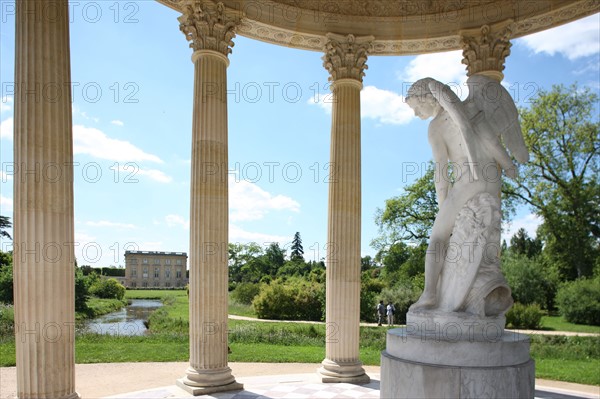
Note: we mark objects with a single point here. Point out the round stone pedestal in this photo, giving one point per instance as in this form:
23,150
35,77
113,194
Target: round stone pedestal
428,365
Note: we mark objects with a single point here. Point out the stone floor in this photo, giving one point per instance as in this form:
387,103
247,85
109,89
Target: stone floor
308,386
261,380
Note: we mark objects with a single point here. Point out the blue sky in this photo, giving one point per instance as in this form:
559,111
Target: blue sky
132,115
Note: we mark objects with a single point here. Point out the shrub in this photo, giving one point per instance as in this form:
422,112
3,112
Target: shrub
293,299
7,320
245,293
82,290
529,281
579,301
6,284
402,295
524,316
108,289
370,290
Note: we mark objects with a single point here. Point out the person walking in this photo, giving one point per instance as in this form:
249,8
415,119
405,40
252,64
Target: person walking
390,313
380,313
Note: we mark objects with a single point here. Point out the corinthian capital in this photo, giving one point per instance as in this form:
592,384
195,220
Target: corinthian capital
207,27
346,56
485,50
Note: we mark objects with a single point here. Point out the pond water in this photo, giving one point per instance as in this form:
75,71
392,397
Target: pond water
127,321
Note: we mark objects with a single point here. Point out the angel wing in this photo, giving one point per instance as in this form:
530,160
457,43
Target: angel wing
500,112
452,104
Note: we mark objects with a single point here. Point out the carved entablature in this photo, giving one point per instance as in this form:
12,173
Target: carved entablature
207,27
484,51
346,56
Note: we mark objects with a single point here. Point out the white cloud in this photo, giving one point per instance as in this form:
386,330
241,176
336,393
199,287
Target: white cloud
91,141
155,175
6,205
151,246
6,129
77,112
445,67
106,223
528,222
574,40
6,104
239,235
82,238
247,201
131,171
385,106
117,122
176,220
4,177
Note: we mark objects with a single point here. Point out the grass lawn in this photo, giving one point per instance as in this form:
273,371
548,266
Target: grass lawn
558,323
154,294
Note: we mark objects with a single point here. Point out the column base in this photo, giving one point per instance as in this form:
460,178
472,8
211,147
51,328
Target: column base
203,382
196,391
336,372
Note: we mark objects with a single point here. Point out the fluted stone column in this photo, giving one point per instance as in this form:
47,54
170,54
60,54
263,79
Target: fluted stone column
485,50
210,32
43,255
345,59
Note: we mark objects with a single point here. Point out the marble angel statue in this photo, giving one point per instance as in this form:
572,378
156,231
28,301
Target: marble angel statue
462,268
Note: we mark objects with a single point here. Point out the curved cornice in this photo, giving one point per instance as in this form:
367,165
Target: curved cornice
398,27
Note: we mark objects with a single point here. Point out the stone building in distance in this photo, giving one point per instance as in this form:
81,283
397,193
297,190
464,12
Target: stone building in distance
153,269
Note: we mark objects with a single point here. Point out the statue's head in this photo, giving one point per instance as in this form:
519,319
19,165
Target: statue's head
421,100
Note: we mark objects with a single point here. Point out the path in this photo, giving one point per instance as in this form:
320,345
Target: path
528,332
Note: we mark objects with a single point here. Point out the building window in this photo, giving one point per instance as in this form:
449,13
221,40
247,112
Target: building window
145,284
145,261
179,283
167,284
133,284
157,261
178,262
156,272
167,273
134,272
178,273
156,283
167,261
145,273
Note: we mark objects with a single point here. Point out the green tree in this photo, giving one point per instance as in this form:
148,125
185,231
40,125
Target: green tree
244,262
394,257
109,289
297,250
409,216
366,263
6,284
275,257
560,183
82,287
522,244
5,224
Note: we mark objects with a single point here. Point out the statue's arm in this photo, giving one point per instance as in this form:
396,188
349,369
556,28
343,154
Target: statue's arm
440,158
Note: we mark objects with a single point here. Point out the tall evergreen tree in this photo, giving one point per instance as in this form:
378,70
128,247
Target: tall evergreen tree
297,250
5,224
